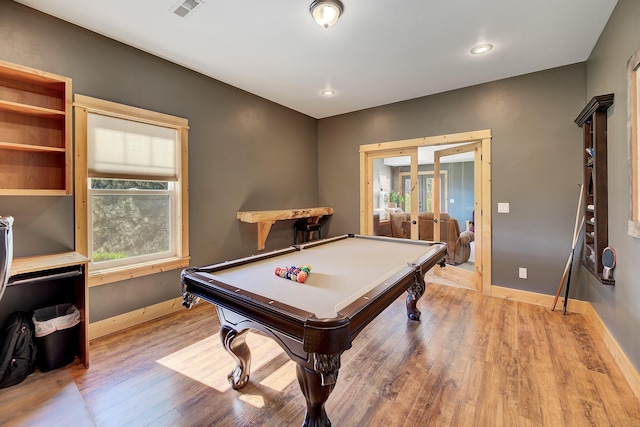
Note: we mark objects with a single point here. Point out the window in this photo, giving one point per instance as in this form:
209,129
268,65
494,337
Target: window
425,191
131,176
131,221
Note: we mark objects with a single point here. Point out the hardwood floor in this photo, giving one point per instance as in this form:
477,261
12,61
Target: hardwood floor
471,361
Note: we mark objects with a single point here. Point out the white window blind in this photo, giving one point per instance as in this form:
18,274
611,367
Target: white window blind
126,149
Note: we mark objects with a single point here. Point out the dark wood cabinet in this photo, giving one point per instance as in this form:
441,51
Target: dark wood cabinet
593,120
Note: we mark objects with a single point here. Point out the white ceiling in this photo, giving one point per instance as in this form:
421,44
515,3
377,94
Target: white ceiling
379,52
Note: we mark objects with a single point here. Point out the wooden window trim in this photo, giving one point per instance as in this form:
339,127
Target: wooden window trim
84,105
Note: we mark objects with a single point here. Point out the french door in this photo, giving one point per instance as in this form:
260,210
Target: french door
461,271
390,169
390,207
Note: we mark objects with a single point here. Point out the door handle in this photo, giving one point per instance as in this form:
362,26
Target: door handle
413,222
435,220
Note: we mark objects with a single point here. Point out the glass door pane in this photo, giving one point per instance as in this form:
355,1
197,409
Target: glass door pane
453,224
391,192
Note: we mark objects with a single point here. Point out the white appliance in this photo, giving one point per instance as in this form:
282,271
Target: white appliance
6,251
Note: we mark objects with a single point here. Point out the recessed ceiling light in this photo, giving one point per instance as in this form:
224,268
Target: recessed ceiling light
481,48
328,92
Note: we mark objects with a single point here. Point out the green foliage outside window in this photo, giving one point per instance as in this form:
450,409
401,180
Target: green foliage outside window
121,184
130,224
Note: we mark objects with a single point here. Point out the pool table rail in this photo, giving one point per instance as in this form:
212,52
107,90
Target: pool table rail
267,315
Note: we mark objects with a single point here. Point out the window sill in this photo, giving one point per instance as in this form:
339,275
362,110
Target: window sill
118,274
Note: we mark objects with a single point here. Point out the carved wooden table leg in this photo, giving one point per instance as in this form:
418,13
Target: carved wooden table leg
234,342
415,291
316,395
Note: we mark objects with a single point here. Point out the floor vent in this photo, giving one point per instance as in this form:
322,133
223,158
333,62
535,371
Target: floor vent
183,7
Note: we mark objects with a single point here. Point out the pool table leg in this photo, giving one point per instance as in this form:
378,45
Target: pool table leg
316,393
234,342
415,291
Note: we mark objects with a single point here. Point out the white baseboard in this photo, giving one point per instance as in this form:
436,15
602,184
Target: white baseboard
629,371
573,305
132,318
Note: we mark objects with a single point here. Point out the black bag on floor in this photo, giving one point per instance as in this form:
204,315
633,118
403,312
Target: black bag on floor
17,349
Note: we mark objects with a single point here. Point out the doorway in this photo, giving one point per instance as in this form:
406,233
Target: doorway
440,182
454,223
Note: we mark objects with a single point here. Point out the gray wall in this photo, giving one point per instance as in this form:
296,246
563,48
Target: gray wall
236,143
536,163
619,306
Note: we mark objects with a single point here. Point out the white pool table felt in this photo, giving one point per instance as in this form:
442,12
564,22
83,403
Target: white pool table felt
341,272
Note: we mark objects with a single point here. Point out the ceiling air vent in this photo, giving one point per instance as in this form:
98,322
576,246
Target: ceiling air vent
183,7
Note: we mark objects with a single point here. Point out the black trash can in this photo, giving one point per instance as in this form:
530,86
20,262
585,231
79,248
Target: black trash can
56,330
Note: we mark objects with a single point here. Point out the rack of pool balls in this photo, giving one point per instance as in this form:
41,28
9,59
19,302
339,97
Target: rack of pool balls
297,274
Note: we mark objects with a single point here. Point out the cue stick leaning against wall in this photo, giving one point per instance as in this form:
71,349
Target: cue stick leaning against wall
567,268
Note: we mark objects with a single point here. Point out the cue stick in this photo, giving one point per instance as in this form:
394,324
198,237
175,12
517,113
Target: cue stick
566,291
573,246
566,269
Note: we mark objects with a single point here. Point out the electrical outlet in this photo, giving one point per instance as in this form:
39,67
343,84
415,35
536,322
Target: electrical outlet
522,272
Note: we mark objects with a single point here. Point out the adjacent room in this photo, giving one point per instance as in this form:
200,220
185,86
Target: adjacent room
330,212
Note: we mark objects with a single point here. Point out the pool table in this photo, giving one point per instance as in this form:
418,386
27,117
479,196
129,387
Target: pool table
353,279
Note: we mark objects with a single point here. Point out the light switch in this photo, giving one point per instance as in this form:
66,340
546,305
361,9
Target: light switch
452,201
503,207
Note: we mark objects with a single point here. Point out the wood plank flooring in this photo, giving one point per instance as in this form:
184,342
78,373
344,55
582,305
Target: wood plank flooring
472,360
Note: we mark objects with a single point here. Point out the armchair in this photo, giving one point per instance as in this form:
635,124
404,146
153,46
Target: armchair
459,244
396,219
388,222
381,225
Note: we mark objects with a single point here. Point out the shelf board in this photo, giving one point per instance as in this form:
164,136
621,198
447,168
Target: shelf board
29,147
46,262
608,282
31,110
597,103
29,75
33,192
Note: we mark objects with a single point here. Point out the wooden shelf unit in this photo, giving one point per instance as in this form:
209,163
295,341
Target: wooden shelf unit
35,132
593,120
50,274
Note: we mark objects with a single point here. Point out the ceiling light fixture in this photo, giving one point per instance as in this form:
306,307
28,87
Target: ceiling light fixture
481,48
326,12
328,92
